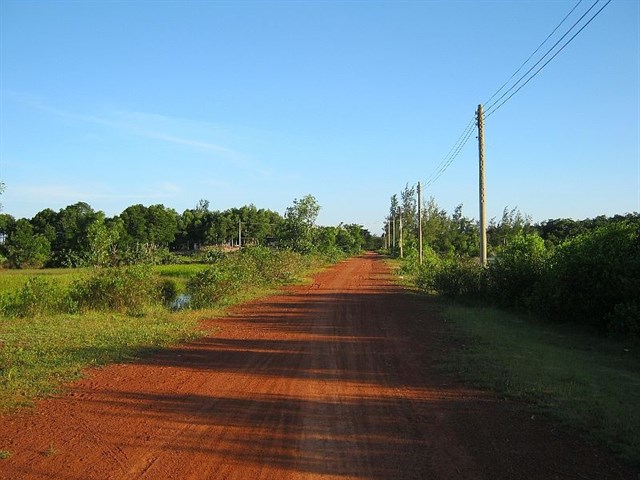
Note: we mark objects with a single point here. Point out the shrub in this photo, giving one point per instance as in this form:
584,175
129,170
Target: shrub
431,264
38,296
593,274
288,265
168,291
208,287
460,278
517,270
411,263
126,289
212,256
624,320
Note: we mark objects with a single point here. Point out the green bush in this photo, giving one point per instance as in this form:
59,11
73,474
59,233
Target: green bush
212,256
410,263
624,320
431,265
460,278
126,289
517,270
168,291
38,296
209,287
591,275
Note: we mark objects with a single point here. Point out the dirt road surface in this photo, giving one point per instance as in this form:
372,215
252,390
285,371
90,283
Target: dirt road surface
338,380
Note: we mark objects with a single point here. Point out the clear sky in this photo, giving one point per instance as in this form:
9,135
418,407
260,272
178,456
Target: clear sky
116,103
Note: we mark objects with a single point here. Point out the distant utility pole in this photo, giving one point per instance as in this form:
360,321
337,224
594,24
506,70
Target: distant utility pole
393,231
386,236
483,213
400,239
419,223
239,233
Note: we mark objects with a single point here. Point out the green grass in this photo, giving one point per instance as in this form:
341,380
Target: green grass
179,273
4,454
584,380
40,354
11,280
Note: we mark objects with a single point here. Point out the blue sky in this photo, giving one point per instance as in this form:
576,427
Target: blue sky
116,103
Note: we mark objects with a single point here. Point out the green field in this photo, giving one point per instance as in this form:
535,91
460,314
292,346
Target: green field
584,380
13,279
39,354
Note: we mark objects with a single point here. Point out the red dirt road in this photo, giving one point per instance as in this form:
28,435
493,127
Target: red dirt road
335,381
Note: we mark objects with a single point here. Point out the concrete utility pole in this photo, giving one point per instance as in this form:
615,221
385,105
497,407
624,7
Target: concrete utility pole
393,231
419,223
483,213
400,215
386,236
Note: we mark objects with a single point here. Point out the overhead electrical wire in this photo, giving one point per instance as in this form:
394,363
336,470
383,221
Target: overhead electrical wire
533,53
509,93
493,109
451,156
490,109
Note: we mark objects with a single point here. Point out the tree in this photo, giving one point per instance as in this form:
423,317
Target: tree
7,225
162,225
392,218
102,237
436,227
513,223
25,248
409,218
297,232
44,223
71,246
155,225
464,234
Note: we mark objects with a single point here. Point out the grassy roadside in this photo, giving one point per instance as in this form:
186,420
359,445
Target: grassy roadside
40,354
583,380
579,378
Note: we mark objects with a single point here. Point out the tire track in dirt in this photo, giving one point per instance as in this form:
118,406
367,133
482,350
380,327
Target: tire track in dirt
337,380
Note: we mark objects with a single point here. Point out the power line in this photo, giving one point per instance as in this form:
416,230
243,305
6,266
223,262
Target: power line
451,156
544,56
534,52
492,108
464,141
509,93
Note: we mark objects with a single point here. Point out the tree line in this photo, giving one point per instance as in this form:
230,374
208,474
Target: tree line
583,271
456,235
78,235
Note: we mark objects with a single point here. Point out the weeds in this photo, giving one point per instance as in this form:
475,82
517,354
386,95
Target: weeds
51,451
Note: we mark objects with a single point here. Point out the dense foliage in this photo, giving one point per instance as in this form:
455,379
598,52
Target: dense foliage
586,272
78,236
592,279
134,289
